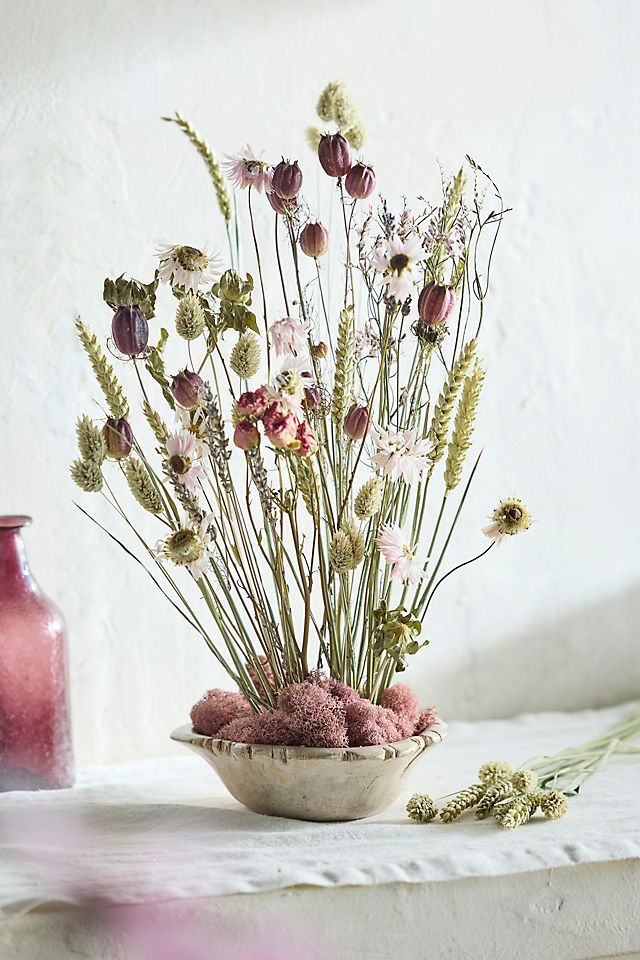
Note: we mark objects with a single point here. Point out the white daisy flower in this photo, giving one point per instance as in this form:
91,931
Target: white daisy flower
394,547
188,267
188,547
399,454
398,260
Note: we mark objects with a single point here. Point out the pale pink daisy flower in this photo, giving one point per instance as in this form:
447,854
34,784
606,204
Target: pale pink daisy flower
394,547
398,260
245,169
288,336
188,267
183,454
399,454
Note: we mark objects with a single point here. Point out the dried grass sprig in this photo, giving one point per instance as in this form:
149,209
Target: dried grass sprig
345,366
463,801
346,549
463,426
107,380
90,441
441,419
157,424
87,475
369,498
210,161
141,485
494,793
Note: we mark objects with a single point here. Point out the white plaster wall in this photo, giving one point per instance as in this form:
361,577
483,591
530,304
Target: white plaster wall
545,95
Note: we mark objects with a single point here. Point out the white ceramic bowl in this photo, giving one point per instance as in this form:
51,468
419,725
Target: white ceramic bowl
312,783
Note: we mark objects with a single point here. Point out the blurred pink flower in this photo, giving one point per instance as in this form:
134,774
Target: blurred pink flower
307,441
288,336
245,169
281,428
253,403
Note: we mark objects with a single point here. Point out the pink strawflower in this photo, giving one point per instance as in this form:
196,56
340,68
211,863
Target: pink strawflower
216,709
369,724
252,403
426,719
288,336
246,435
245,169
405,704
392,544
281,428
183,453
306,439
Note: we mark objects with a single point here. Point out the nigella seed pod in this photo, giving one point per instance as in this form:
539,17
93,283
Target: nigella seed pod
314,240
130,331
282,206
118,438
286,181
188,389
356,422
360,182
435,304
312,396
334,154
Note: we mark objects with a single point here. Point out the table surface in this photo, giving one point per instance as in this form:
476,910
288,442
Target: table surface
165,829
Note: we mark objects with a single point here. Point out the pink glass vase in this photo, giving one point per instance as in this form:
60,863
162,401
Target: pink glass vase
35,738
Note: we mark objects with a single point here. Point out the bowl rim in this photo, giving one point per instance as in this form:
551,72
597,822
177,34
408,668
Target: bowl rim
414,744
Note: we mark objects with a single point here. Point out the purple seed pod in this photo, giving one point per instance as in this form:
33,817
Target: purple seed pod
360,182
314,240
286,181
118,438
356,422
334,154
435,304
130,330
188,389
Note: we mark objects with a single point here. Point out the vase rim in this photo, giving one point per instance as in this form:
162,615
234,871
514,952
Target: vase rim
14,522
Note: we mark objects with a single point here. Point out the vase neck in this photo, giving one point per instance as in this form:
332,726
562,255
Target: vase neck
15,574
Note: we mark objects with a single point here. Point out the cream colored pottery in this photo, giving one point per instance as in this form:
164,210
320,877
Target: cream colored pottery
312,783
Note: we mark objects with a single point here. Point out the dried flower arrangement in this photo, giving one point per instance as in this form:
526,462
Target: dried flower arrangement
545,784
306,546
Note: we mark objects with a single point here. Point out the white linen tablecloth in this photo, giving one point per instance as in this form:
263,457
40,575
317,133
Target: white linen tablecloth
165,829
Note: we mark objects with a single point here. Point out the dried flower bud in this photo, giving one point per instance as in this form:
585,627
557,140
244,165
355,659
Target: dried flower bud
280,427
435,304
188,389
233,289
356,422
118,438
421,808
334,154
282,206
319,350
314,240
360,182
286,181
246,435
190,321
554,805
245,356
130,331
